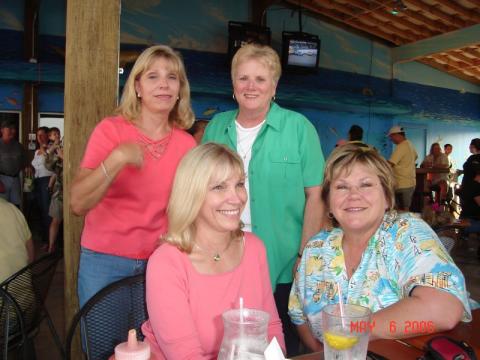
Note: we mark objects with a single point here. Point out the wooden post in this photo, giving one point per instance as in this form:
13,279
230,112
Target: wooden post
91,92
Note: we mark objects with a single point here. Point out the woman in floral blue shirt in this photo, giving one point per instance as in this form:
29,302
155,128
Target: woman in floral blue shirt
392,263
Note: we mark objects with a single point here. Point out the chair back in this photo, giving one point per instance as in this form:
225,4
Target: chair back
29,287
106,318
11,323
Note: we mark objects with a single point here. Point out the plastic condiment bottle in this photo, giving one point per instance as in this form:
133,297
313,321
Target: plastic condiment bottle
132,349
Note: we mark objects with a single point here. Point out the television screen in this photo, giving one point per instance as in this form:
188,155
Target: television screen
300,51
241,33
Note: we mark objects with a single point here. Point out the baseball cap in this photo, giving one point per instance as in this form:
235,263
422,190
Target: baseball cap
395,130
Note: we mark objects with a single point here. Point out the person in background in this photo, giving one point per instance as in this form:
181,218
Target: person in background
438,182
208,261
283,160
453,175
403,163
54,162
198,129
468,181
124,181
472,162
41,183
355,136
12,162
15,239
392,263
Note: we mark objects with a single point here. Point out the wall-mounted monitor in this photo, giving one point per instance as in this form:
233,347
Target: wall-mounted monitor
300,51
240,33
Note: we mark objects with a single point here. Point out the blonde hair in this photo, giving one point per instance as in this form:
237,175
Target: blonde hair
192,179
130,105
265,54
344,157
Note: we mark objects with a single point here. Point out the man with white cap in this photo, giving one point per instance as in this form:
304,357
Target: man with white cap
403,162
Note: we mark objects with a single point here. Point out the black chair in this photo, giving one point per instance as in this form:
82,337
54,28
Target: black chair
28,289
12,330
106,318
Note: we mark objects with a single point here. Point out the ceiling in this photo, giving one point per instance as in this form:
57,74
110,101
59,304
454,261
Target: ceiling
444,34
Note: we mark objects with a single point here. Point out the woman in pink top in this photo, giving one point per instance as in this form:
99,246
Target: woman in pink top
211,263
126,174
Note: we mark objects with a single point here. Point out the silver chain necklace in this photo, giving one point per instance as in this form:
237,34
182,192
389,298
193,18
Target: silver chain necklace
217,255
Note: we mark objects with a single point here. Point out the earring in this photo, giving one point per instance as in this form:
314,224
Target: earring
178,98
233,96
138,95
273,98
330,215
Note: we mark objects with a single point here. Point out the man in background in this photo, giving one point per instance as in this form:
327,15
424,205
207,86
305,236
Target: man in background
15,239
12,161
355,136
403,163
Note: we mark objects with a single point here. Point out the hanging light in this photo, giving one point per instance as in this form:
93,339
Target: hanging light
398,6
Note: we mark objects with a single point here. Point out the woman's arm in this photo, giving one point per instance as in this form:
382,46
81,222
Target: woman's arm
90,185
168,307
308,339
313,217
427,310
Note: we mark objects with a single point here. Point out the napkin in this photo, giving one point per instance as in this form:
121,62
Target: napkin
274,351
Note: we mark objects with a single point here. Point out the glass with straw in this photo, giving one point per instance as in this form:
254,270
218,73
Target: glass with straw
346,329
245,334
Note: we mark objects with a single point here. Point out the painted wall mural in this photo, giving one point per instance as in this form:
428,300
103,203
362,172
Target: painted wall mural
355,83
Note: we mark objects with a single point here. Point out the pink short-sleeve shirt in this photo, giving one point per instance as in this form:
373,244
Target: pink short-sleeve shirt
131,216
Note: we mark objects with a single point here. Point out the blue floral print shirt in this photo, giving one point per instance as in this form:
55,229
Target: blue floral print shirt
403,253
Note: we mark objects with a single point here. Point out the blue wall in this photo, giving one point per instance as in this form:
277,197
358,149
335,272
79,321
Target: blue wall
356,82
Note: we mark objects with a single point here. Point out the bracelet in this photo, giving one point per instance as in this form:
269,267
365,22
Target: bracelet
105,171
299,255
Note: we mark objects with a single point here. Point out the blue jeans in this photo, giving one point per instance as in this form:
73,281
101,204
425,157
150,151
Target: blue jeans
97,270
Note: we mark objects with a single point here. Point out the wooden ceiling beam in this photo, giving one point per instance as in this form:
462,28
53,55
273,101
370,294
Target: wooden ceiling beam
340,17
474,2
447,68
434,25
382,11
405,35
453,64
470,14
437,44
436,12
472,52
470,63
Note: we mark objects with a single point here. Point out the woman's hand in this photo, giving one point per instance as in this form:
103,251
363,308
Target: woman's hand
129,154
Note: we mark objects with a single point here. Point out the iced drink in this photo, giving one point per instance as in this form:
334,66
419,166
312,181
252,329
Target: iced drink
346,337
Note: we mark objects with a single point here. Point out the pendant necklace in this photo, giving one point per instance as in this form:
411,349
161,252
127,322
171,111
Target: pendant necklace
217,255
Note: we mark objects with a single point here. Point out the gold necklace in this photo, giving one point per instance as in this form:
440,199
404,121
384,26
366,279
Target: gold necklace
217,255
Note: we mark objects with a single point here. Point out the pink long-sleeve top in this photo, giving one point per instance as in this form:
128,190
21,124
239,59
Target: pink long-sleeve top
185,307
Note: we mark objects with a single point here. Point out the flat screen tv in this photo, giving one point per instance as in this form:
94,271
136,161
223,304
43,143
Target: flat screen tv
240,33
300,51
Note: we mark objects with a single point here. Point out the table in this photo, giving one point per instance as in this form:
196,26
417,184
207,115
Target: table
470,332
411,348
391,349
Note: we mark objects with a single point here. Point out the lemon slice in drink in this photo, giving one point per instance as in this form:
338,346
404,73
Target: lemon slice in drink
340,342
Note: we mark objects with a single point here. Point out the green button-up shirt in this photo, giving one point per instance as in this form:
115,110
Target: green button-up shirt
286,158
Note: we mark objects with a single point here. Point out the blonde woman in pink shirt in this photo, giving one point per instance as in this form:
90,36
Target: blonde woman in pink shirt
209,260
127,171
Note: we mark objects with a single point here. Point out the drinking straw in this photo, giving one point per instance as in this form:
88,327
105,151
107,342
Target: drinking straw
241,309
342,310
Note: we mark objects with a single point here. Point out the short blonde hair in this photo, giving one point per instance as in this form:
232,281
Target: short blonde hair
265,54
130,105
344,157
192,179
